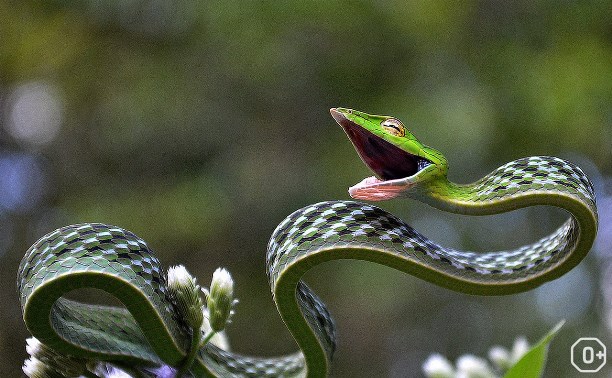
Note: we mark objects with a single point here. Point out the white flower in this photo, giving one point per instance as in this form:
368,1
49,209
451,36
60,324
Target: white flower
33,366
470,366
46,362
519,349
437,366
500,357
220,299
33,346
223,282
178,276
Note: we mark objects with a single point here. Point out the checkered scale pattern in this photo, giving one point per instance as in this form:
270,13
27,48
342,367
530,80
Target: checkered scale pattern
113,331
226,364
548,174
105,251
316,233
353,225
327,226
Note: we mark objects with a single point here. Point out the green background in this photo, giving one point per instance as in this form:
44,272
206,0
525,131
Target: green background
199,125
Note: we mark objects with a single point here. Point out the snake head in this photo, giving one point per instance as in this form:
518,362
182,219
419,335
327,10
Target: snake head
399,161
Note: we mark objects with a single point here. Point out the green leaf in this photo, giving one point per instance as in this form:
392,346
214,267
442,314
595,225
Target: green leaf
531,365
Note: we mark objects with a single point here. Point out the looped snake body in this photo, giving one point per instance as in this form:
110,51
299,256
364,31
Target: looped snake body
148,331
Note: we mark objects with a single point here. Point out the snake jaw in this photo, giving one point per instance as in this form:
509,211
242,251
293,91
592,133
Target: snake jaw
395,168
374,189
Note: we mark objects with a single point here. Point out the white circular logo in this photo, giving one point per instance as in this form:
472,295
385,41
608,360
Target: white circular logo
588,355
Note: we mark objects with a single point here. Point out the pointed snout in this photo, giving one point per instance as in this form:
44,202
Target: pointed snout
337,114
340,115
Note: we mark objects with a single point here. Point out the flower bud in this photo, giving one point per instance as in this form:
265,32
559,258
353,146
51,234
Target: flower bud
220,299
35,368
52,363
186,296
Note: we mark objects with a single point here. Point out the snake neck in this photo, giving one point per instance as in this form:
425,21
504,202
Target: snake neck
521,183
446,195
482,198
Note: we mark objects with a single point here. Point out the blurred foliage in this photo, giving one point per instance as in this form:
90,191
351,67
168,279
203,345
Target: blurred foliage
200,125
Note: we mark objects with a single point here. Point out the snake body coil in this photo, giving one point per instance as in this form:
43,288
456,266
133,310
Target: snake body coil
148,331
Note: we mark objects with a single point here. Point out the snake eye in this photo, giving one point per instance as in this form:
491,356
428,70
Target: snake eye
394,127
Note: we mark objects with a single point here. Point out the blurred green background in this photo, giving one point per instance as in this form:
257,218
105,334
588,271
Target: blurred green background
199,125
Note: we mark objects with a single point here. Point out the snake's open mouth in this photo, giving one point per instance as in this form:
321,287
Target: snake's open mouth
387,161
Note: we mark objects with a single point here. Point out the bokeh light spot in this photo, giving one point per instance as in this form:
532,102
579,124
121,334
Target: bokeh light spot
35,113
22,182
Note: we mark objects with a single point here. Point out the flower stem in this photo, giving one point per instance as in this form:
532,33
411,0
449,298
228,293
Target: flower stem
207,339
193,350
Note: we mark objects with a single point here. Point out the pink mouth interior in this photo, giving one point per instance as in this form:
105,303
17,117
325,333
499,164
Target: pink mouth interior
374,189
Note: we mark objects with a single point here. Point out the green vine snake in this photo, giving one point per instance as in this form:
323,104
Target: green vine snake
148,331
